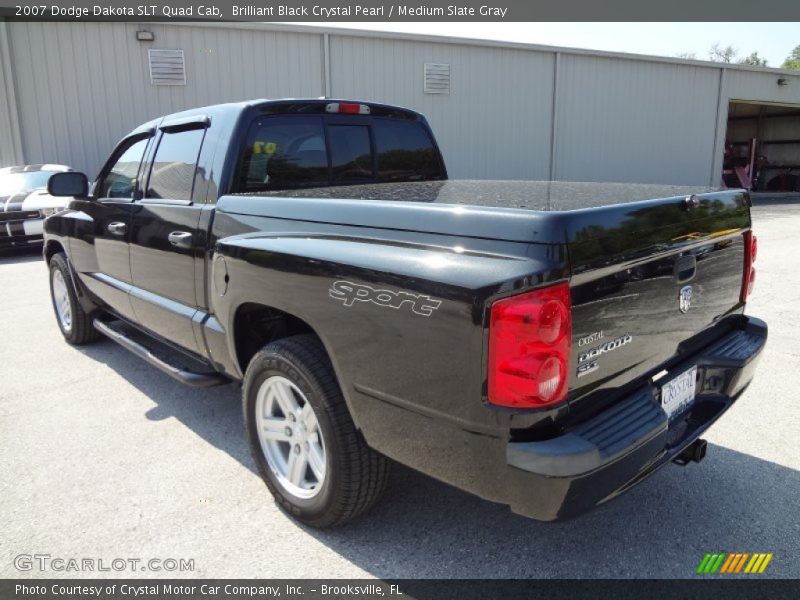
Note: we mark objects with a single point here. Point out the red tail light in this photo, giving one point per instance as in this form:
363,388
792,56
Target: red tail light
529,348
749,276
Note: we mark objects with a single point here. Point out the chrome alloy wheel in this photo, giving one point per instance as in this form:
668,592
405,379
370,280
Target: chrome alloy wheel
290,437
61,301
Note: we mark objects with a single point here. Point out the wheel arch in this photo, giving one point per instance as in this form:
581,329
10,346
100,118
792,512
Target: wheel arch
51,248
254,325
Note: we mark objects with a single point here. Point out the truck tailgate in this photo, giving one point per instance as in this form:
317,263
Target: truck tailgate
646,277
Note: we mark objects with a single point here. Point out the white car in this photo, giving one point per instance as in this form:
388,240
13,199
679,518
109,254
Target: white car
24,203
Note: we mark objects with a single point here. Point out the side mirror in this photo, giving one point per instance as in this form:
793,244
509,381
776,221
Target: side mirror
70,183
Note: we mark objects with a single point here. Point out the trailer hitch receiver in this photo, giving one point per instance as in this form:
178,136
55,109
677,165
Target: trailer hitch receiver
694,452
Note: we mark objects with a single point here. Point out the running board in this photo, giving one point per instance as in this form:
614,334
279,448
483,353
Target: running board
183,375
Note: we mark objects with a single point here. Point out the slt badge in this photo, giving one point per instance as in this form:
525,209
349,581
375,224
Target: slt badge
685,298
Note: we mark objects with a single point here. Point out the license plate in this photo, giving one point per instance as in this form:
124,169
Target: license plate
678,393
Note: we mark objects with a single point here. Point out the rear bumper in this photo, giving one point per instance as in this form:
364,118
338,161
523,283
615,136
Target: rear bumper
616,449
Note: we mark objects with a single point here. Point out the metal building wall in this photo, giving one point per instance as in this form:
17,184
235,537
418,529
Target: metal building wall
517,112
496,122
10,144
627,120
81,87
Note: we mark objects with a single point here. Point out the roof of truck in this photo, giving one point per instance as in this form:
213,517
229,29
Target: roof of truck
530,195
288,106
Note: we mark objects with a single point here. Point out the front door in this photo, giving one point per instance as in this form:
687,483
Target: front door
101,252
164,239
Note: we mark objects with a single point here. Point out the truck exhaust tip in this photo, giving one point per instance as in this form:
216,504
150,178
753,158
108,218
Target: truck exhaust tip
695,452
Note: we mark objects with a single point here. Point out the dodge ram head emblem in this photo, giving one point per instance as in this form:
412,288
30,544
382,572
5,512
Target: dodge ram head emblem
350,293
685,298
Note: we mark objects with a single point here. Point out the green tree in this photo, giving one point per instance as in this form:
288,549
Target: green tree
793,60
754,59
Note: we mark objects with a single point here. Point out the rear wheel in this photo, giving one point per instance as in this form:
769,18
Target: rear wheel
75,324
307,448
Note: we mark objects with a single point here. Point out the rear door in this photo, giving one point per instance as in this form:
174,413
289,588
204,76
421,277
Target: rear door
164,242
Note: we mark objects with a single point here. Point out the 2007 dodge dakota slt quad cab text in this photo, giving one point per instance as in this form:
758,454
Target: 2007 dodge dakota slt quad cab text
545,345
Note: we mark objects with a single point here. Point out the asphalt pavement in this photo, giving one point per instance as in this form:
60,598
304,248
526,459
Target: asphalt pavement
103,457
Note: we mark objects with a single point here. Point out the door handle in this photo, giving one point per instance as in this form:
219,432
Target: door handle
117,228
180,239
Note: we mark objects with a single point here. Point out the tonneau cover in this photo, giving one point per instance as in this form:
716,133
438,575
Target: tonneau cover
530,195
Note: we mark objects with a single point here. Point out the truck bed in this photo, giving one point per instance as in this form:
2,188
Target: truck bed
529,195
626,250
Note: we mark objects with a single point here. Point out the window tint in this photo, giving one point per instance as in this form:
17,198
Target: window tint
172,173
351,155
120,181
283,153
405,151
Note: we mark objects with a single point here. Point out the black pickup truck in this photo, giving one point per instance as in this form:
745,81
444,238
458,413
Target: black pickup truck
545,345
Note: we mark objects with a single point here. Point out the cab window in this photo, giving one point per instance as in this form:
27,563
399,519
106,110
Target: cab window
283,153
294,151
405,151
351,155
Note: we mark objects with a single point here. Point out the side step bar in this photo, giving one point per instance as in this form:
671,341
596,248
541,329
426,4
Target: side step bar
190,378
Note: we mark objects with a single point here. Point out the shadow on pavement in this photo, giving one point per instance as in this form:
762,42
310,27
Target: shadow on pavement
212,413
25,255
730,502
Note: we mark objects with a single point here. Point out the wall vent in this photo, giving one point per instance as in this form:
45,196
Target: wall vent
167,67
437,78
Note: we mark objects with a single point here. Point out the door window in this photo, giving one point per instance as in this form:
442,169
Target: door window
174,165
120,180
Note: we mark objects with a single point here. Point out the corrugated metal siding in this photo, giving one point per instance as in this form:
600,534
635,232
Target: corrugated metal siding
81,86
761,87
85,85
621,120
10,145
495,122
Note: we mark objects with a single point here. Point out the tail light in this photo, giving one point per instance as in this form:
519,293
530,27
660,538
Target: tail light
749,276
529,348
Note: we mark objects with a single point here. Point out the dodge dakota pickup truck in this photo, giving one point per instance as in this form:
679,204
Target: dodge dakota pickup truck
545,345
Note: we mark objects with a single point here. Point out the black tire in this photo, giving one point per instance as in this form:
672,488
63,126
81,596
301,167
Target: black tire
355,475
80,331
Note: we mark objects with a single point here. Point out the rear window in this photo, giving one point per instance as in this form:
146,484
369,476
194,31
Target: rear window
351,153
297,151
405,151
283,153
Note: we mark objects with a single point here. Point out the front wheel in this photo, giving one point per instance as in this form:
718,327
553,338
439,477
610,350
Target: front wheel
308,451
75,323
